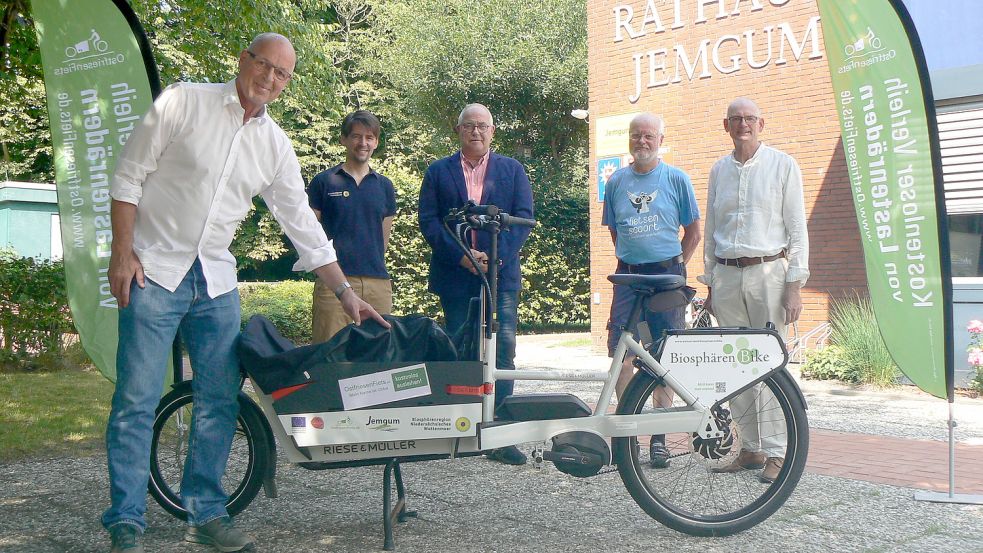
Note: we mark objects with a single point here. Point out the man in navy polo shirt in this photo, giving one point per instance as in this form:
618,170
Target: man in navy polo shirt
356,207
644,207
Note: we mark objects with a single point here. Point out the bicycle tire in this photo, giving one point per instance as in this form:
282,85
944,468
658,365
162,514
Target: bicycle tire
248,462
688,496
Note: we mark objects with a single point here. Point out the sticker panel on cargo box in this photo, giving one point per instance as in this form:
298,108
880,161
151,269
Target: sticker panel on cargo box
374,425
384,387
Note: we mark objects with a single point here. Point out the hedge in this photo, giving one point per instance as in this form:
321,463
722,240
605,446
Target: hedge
34,310
555,259
287,304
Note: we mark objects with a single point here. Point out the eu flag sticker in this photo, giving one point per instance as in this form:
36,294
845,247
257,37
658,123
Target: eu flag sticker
298,422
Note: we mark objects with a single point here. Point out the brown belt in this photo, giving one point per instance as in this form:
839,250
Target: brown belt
742,262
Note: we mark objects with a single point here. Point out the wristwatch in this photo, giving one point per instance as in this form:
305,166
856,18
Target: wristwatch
340,290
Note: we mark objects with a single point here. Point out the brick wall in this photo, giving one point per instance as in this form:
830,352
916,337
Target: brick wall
796,100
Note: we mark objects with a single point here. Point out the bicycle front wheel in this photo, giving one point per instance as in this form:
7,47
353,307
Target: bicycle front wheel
704,491
248,459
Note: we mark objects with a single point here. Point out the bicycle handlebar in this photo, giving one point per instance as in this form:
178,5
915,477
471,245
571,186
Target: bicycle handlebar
478,216
472,208
513,221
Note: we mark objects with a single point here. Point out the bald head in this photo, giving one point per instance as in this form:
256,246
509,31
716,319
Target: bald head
265,68
475,109
648,120
745,106
269,38
743,123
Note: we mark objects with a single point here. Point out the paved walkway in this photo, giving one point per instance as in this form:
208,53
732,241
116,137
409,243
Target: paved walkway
883,443
922,464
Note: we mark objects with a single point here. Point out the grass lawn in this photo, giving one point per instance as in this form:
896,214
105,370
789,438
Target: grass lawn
52,414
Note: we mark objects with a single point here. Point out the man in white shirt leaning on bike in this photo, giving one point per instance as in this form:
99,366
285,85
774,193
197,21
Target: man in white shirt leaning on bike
185,181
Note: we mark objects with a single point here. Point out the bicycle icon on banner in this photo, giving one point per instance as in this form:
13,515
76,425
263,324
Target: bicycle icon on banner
94,44
866,44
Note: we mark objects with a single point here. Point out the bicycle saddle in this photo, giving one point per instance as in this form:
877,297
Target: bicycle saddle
649,283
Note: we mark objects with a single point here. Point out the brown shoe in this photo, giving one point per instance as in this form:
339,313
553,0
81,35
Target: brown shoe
745,460
772,468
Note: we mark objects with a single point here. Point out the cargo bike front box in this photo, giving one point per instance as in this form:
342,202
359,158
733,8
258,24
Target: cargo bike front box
367,392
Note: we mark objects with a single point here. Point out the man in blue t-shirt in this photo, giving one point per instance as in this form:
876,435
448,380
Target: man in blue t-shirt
356,207
644,207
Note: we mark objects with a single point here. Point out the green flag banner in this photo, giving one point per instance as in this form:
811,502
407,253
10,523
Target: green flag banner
890,144
100,79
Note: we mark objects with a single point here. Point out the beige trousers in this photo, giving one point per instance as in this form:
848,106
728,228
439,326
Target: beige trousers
329,317
752,297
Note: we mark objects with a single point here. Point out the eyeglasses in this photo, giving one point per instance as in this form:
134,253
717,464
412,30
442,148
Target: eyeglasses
749,119
482,127
265,65
648,137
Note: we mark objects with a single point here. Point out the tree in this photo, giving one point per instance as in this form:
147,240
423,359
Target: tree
25,141
528,63
191,41
415,63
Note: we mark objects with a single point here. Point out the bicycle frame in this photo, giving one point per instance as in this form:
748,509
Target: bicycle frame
695,417
600,422
704,367
698,495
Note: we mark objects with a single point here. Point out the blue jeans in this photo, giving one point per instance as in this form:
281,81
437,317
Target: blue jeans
456,314
147,327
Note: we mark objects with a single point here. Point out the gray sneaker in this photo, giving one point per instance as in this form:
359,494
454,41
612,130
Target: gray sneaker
126,539
221,534
658,454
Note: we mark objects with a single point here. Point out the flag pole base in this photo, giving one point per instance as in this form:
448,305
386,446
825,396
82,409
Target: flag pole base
951,496
943,497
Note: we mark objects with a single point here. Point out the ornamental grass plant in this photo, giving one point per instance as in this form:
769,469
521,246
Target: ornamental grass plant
856,351
854,330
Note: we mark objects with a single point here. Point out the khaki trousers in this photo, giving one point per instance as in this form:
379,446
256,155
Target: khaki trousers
752,297
329,317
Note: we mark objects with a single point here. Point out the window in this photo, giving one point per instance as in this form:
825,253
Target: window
56,248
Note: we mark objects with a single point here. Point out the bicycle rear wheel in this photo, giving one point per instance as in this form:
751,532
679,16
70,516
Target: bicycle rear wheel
689,495
248,463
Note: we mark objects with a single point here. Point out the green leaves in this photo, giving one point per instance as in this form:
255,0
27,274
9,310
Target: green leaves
408,256
33,308
856,352
415,63
286,304
828,363
526,61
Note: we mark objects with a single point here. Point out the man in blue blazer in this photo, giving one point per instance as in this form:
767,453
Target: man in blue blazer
476,173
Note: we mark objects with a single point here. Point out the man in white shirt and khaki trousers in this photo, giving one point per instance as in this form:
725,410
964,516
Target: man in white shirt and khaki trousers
756,259
185,181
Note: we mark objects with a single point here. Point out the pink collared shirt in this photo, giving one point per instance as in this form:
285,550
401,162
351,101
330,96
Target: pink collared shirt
474,176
